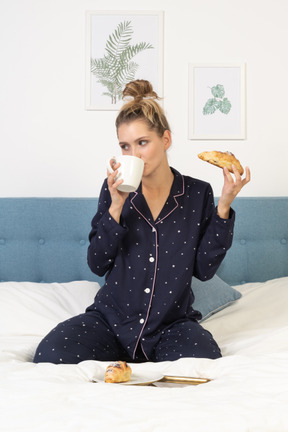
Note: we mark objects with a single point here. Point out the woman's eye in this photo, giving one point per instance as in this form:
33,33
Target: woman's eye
142,142
124,147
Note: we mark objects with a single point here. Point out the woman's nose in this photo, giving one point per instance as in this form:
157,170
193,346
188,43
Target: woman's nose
135,152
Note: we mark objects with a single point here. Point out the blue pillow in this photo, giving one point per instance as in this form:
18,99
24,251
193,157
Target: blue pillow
212,296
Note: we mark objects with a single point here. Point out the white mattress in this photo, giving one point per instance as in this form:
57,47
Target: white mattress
248,390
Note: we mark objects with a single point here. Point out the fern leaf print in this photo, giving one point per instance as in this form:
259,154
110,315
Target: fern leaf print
116,68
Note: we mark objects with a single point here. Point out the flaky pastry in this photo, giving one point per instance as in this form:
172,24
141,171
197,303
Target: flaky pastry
118,371
222,159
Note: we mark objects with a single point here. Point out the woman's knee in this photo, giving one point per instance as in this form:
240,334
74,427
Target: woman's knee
186,339
62,344
85,337
51,347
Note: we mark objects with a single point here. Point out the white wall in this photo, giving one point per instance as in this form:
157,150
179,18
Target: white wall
51,146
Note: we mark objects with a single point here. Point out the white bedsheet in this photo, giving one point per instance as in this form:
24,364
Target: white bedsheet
248,390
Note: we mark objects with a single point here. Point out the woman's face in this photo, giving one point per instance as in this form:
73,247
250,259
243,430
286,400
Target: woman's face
136,139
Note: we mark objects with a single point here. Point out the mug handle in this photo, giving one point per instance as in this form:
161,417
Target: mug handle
113,158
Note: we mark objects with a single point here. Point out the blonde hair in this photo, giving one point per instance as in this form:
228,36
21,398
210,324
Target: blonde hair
142,105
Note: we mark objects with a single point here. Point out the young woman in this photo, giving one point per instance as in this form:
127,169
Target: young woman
148,244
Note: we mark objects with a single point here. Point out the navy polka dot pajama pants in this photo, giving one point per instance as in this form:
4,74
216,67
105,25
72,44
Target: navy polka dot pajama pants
88,337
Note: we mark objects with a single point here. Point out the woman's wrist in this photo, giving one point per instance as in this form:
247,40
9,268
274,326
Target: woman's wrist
223,210
115,212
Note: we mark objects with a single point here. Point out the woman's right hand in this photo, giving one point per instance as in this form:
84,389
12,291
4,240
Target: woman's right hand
118,198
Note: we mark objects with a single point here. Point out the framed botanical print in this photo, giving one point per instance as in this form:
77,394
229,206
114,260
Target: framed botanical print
217,101
121,46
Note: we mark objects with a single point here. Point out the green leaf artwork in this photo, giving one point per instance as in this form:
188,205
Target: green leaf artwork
116,68
218,102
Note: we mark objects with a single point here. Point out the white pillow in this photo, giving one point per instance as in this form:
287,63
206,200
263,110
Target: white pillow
33,309
28,308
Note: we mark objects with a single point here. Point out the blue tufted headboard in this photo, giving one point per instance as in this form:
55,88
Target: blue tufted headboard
46,240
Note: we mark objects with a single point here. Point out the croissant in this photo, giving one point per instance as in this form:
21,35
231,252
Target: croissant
117,372
222,159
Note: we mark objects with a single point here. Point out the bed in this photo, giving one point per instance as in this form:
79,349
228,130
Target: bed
45,279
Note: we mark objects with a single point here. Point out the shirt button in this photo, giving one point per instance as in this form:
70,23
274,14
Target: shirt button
147,290
151,259
141,321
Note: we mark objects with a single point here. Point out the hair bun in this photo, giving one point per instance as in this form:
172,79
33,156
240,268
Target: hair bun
142,105
139,90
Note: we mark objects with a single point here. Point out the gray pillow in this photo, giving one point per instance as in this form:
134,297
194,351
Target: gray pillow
212,296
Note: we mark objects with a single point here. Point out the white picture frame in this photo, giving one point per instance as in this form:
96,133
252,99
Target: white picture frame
217,95
140,33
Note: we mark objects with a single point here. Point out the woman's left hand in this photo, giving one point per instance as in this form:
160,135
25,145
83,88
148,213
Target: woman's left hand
231,189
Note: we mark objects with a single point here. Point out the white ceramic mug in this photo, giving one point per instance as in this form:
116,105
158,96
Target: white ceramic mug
130,170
